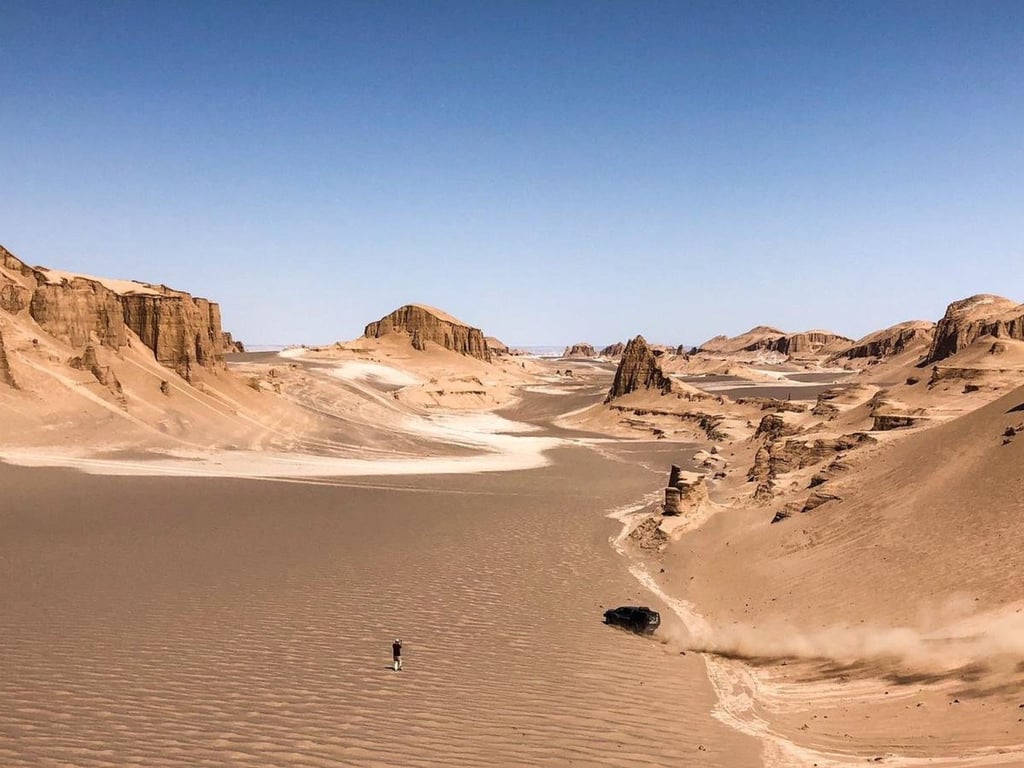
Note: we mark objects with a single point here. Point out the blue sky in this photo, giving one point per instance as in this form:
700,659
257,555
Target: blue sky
550,172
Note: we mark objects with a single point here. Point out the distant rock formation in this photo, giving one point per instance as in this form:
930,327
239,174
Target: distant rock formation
613,350
807,343
424,324
6,377
230,345
764,338
968,319
758,337
496,346
580,349
890,341
639,368
183,332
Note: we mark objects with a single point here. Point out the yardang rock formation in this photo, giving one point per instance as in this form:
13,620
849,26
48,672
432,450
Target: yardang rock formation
639,368
183,332
424,324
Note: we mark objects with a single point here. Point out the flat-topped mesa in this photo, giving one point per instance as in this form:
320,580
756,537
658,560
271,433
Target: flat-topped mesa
639,368
580,349
892,341
182,331
968,319
424,324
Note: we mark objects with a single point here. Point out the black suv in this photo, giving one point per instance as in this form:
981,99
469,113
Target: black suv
640,619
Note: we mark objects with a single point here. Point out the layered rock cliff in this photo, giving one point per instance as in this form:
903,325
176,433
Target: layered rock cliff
969,319
613,350
423,324
496,346
892,341
639,368
580,349
807,343
182,331
764,338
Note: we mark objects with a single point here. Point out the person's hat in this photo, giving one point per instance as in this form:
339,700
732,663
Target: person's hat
397,640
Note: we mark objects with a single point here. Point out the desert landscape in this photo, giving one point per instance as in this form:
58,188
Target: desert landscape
482,384
207,552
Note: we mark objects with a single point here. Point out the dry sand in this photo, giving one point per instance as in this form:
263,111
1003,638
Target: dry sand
195,621
182,610
185,622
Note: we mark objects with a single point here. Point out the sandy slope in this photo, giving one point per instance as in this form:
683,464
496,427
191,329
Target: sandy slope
889,622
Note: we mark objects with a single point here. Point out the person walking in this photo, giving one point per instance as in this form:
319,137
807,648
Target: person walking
396,654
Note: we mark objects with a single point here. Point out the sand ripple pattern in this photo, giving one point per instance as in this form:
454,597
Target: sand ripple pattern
208,623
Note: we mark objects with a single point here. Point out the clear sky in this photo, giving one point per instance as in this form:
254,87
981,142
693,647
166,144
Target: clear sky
551,172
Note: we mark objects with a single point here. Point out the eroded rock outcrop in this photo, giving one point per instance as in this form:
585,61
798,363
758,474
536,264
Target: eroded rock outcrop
639,368
613,350
889,342
580,349
89,361
807,343
6,377
764,338
78,310
228,343
496,346
182,331
430,324
969,319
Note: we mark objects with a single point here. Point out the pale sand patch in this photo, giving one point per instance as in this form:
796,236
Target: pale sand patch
352,370
293,352
122,287
487,432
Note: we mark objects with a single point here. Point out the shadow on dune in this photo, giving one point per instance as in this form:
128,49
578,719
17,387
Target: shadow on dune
1016,408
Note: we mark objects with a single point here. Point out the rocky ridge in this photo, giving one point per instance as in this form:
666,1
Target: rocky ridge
890,341
969,319
184,332
426,324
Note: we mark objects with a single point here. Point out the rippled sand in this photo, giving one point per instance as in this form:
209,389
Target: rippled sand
212,622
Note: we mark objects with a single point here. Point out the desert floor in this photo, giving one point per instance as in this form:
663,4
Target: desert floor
210,621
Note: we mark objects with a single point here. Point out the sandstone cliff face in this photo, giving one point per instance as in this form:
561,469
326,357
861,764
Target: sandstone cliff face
6,377
183,332
764,338
613,350
425,323
75,310
806,343
580,349
891,341
639,368
968,319
496,346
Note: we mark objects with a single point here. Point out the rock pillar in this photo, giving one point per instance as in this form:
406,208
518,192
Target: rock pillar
671,501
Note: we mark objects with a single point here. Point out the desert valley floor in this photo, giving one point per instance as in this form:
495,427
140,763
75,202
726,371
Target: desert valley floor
210,621
206,553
